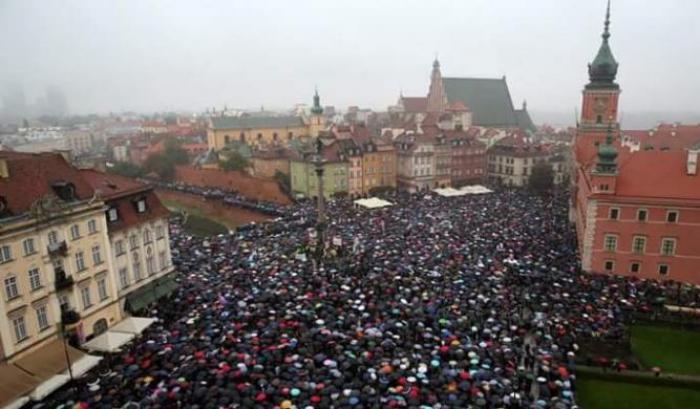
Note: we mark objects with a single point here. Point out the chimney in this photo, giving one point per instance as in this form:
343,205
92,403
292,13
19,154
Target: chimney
693,162
4,170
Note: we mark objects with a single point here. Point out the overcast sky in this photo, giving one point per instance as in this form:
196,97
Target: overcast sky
144,55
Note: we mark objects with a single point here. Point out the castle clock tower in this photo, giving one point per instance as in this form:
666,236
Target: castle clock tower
600,96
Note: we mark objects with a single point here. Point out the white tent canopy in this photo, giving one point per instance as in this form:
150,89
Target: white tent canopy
372,203
108,342
464,190
133,325
48,386
17,403
84,364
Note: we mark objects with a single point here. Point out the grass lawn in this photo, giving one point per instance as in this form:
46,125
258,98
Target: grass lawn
672,350
198,223
595,394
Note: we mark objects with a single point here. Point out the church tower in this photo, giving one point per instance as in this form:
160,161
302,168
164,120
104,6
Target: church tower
600,99
436,93
316,122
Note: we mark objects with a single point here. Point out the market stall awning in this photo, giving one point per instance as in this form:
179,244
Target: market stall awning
48,360
17,403
463,191
372,203
49,386
84,364
14,384
133,325
151,292
108,341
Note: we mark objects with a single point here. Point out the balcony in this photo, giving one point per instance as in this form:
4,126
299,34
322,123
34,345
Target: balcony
58,249
63,281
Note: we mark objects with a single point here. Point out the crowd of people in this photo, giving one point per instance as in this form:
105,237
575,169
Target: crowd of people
229,197
462,302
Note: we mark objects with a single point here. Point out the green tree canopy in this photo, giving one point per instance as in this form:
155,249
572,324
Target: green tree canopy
542,178
174,151
162,165
126,169
234,161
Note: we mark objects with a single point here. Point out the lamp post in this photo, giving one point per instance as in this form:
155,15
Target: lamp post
321,216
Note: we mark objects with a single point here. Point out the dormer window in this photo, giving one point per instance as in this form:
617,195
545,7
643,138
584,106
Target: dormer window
140,205
64,190
112,214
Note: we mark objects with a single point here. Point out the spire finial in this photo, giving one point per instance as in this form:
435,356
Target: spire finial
606,32
436,63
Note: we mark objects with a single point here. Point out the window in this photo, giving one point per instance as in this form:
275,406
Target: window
150,262
260,137
20,329
668,247
102,289
119,247
112,214
79,261
241,137
635,267
160,232
28,246
11,288
75,232
663,269
290,135
614,213
133,242
609,265
136,266
123,277
639,244
85,297
274,136
141,206
227,139
672,216
162,259
96,255
53,237
92,226
642,215
34,279
42,318
610,242
5,254
146,236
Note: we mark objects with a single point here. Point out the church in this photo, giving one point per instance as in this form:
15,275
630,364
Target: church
481,102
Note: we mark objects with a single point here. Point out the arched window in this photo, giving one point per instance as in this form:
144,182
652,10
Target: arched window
147,236
227,139
136,265
274,136
260,137
599,119
290,135
241,137
150,262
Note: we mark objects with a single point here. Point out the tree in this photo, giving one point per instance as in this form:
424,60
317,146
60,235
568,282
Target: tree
542,178
174,151
234,161
282,179
126,169
162,165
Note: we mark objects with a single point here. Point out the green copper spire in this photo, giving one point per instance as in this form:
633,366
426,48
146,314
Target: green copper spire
603,69
317,109
607,155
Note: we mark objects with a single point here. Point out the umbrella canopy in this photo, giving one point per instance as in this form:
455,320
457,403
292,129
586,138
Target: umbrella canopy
109,341
372,203
133,325
17,403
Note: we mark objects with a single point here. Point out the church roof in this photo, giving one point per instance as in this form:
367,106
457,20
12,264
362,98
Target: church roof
524,121
414,104
488,98
251,122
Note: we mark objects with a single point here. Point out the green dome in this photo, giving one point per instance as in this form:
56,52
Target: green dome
603,70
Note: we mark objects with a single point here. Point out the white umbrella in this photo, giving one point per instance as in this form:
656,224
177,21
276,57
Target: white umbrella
108,342
48,386
133,325
84,364
17,403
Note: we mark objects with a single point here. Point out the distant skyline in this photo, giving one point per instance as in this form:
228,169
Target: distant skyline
151,56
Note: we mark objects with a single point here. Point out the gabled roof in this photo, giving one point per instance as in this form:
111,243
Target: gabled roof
488,99
253,122
111,186
31,176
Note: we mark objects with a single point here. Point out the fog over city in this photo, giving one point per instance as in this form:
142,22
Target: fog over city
79,57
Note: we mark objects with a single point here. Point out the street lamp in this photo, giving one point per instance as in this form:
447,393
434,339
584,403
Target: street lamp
321,217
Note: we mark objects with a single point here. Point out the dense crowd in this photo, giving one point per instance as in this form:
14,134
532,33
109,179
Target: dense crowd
468,302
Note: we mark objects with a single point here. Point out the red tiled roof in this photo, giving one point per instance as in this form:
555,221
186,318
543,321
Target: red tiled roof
457,106
414,104
669,136
31,176
656,174
122,192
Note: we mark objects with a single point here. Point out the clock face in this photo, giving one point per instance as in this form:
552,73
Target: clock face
600,104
